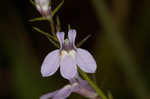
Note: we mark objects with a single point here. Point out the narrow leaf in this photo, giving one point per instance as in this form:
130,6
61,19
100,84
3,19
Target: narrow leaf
83,41
45,33
53,42
57,8
32,2
37,19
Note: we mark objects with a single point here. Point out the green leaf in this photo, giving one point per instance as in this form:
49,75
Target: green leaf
45,33
83,41
37,19
53,42
57,8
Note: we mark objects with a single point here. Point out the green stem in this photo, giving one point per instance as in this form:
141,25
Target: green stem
98,90
57,8
52,25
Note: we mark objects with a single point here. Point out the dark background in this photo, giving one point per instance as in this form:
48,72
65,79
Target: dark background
23,49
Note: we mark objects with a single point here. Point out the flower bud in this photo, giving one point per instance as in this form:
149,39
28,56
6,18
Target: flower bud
43,7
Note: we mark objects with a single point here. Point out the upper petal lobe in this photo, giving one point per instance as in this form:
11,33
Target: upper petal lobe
60,36
72,36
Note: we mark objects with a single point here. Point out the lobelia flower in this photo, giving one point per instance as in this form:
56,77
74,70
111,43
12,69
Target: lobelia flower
68,57
79,86
62,93
43,7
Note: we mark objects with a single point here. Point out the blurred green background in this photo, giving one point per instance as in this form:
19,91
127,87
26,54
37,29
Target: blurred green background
120,43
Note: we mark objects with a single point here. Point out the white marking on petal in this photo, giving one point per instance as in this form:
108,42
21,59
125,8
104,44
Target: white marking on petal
63,54
75,84
67,87
85,61
70,53
50,63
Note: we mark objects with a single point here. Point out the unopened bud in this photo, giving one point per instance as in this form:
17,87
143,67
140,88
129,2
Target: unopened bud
43,7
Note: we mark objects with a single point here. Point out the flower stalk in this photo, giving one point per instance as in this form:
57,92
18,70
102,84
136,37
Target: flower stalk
97,89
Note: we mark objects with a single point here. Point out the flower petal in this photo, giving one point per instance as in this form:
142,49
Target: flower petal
72,36
60,36
49,95
63,93
68,67
85,61
86,85
75,87
83,88
50,63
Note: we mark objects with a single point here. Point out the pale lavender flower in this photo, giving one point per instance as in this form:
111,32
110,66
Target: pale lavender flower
81,87
62,93
68,57
43,7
